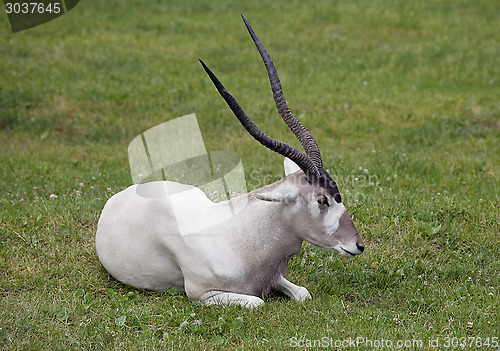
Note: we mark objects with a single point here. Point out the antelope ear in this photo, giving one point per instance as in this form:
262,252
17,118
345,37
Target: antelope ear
290,166
288,196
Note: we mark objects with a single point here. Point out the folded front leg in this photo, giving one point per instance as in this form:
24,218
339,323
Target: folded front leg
229,298
296,292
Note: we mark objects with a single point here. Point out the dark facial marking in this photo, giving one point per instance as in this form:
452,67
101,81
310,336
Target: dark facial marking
326,181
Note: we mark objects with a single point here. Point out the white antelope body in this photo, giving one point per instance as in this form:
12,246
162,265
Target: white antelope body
237,260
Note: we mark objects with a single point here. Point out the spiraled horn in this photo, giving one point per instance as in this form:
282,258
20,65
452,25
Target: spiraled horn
310,161
305,138
294,154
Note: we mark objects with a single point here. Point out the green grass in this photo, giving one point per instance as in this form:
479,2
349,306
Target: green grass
401,96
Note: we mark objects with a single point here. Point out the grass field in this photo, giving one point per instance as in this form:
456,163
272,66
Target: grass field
402,97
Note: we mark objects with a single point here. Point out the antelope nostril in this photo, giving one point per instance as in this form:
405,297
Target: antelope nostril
360,247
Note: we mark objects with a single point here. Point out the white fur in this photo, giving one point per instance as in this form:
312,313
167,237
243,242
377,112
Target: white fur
165,235
331,220
290,166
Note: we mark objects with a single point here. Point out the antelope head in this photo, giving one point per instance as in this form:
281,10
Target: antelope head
314,197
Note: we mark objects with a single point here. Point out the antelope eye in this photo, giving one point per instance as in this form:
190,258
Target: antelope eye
323,201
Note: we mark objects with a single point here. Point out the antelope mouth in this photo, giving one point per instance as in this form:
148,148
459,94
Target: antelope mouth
346,253
350,250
